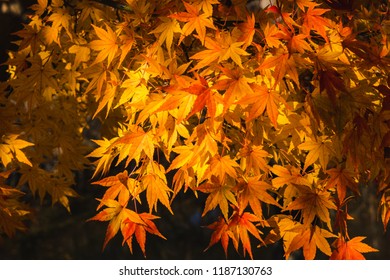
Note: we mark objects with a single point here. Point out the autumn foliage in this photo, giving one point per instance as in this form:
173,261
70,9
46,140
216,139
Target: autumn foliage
279,116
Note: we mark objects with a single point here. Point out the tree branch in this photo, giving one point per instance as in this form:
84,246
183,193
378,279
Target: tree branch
114,4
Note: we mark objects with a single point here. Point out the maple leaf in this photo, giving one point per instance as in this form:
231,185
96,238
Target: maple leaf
132,144
235,85
314,21
296,43
240,225
105,154
222,166
283,227
167,29
351,249
204,98
40,75
116,214
342,178
262,99
117,187
50,35
60,192
332,82
222,47
185,156
385,209
207,5
287,176
131,227
60,18
11,148
312,203
126,43
272,35
210,55
254,192
318,150
252,159
219,195
107,97
221,234
156,190
233,51
194,21
40,7
106,45
248,30
283,63
304,3
12,210
310,239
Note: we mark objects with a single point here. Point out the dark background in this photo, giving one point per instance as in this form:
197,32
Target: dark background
55,234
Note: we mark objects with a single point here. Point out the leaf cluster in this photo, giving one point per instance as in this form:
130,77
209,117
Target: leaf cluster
285,109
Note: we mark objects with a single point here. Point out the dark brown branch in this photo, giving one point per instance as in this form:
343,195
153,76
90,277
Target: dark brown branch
114,4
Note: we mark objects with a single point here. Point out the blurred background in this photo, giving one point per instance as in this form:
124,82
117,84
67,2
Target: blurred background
55,234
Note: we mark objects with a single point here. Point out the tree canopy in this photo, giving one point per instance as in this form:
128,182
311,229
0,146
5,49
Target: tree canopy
278,114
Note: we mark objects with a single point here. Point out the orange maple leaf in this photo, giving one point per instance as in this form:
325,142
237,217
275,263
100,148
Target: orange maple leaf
205,98
235,84
222,47
253,159
131,227
194,21
351,249
167,29
156,190
287,175
132,143
221,233
248,31
262,99
342,178
117,187
222,166
116,214
240,225
314,21
283,63
254,192
272,35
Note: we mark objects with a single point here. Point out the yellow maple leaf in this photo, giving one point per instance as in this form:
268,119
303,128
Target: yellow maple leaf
132,144
155,183
167,29
222,166
311,238
82,54
318,150
11,148
106,45
105,153
207,5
